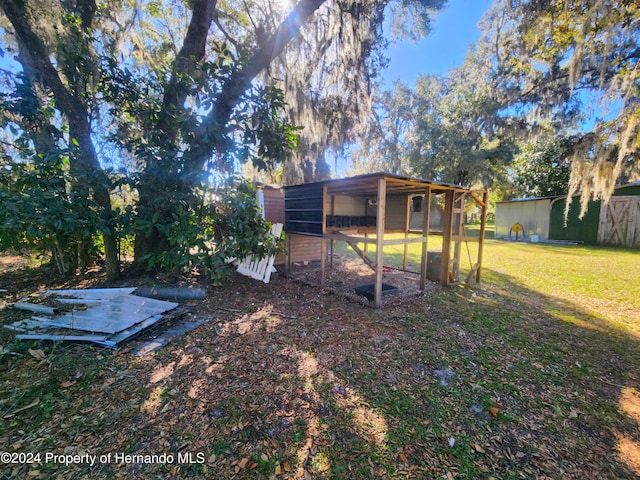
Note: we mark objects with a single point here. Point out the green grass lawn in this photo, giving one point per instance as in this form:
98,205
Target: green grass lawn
600,281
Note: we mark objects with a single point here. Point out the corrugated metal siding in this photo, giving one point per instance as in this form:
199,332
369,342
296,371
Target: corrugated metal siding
585,230
533,215
627,190
303,209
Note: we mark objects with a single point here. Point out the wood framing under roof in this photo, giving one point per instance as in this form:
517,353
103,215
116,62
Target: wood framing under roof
367,185
380,204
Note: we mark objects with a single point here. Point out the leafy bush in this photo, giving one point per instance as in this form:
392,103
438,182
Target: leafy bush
207,232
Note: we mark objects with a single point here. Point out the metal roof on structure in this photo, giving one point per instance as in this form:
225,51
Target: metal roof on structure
367,185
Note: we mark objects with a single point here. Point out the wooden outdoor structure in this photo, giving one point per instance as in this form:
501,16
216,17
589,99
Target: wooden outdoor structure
362,209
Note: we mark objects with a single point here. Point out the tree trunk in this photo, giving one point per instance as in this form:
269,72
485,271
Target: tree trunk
76,113
212,136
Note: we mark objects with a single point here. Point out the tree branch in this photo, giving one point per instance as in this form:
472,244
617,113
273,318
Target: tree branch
211,136
191,54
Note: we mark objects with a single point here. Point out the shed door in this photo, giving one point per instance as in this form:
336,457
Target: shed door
620,222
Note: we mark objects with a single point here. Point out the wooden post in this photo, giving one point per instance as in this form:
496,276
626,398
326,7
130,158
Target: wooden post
407,224
333,212
458,213
366,234
483,224
426,218
447,232
380,213
323,243
288,254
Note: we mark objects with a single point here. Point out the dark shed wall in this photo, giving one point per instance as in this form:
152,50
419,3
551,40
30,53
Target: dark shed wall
579,230
303,209
585,229
627,190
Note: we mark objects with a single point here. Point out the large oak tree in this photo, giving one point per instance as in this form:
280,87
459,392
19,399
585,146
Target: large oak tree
180,90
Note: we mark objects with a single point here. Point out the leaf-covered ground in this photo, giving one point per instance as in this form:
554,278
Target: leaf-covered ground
287,381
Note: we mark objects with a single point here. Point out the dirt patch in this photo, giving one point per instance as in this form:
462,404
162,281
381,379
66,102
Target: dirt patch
345,274
10,263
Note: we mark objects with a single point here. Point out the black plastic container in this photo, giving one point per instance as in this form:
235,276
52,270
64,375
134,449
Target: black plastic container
368,291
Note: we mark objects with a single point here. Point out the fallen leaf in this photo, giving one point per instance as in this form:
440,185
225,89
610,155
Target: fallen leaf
253,465
39,354
286,466
67,384
243,463
403,457
494,411
478,448
264,457
278,470
33,473
212,458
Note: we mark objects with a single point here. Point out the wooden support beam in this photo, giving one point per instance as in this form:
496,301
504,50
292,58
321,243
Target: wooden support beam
480,203
371,241
289,254
483,225
370,263
323,242
380,221
426,218
349,238
403,241
333,212
407,224
457,238
458,231
447,233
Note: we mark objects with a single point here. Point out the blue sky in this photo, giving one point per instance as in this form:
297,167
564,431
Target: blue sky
453,31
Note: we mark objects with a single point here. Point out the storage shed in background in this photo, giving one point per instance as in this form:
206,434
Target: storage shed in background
616,222
531,213
360,210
